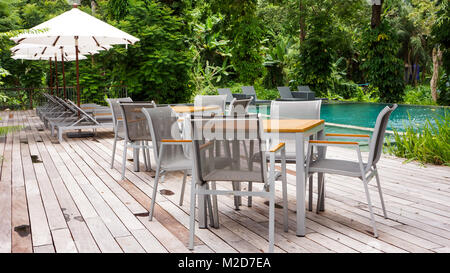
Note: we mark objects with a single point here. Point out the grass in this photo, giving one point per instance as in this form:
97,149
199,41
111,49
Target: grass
431,144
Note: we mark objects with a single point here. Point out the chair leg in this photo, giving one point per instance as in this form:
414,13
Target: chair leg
320,191
147,154
183,186
144,156
285,204
381,194
114,150
272,217
310,188
321,197
155,189
209,207
215,206
192,215
249,199
124,159
236,198
369,203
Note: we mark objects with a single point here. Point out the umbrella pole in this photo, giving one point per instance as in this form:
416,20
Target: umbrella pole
51,77
63,74
78,74
56,75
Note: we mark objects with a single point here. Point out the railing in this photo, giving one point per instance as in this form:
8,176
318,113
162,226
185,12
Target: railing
16,98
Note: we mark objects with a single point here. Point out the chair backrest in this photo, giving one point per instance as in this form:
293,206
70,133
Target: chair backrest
285,92
226,92
295,109
303,88
377,140
212,100
136,125
115,108
246,130
162,122
81,111
250,91
239,107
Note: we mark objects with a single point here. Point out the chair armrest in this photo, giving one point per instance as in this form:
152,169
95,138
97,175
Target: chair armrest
207,144
176,140
332,143
278,147
346,136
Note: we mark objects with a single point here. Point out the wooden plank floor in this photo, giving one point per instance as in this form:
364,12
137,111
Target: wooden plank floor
65,198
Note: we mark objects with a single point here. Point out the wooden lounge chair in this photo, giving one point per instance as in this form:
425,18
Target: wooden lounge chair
286,94
250,91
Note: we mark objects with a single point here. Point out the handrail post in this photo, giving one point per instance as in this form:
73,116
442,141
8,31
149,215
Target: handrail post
31,98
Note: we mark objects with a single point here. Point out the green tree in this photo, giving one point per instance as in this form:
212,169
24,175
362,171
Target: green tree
383,69
244,29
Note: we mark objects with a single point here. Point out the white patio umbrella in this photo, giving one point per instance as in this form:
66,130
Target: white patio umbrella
54,52
75,29
44,57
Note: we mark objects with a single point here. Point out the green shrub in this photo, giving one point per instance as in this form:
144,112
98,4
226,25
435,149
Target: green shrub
418,95
427,145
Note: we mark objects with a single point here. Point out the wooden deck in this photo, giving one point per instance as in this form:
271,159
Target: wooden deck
65,198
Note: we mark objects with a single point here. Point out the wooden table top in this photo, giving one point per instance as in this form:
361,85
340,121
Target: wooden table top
290,125
192,109
270,125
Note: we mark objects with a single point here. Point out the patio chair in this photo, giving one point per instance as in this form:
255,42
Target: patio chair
137,133
294,110
250,91
304,92
212,100
226,92
359,169
239,107
119,129
236,129
286,94
167,147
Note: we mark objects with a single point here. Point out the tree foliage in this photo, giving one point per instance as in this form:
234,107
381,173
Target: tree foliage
383,68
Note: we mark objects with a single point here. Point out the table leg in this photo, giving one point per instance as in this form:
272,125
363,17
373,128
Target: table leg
300,181
136,159
320,176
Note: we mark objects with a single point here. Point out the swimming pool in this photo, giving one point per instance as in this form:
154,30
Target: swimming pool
365,114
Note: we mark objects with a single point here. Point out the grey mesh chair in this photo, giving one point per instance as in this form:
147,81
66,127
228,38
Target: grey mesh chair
236,129
250,91
137,133
226,92
304,88
304,92
239,107
167,147
119,129
294,110
359,169
212,100
286,94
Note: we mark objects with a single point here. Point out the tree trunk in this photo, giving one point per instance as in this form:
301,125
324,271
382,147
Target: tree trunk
376,13
437,60
302,23
93,7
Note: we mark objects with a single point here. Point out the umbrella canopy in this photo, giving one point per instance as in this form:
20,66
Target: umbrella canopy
46,57
77,29
62,29
42,50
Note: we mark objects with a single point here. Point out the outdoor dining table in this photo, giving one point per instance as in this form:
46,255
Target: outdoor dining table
283,129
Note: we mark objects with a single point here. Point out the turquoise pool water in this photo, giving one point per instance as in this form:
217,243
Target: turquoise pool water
365,115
